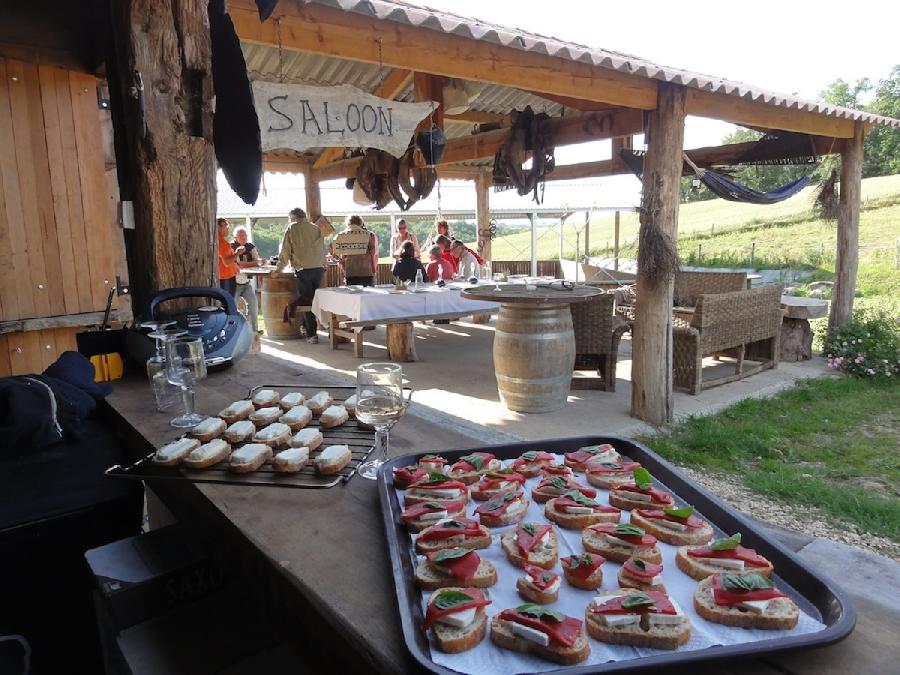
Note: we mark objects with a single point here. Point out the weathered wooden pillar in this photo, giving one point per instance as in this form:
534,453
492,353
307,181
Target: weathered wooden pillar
483,214
651,370
847,258
312,192
165,87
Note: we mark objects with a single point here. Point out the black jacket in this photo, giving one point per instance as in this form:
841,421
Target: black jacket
405,269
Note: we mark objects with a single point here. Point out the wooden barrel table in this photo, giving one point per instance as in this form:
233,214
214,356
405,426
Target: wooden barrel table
534,344
277,293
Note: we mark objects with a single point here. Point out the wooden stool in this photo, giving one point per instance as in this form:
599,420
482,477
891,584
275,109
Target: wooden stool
401,344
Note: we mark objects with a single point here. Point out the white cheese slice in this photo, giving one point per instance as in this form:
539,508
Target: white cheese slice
439,493
503,484
459,619
667,619
208,426
515,508
638,497
306,437
435,515
755,606
671,525
619,620
578,510
296,415
552,588
618,542
265,396
493,465
530,634
292,399
431,466
655,581
275,430
723,562
241,428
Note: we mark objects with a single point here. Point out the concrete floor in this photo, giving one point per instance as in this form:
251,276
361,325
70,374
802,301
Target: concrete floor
454,384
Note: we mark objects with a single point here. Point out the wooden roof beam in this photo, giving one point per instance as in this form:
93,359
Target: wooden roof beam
325,30
572,102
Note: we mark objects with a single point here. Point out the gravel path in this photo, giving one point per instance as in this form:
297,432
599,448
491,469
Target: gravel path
810,521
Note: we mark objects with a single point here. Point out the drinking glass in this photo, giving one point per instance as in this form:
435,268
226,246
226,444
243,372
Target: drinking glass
379,402
167,394
185,364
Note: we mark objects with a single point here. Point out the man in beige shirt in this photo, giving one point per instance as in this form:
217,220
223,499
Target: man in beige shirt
303,247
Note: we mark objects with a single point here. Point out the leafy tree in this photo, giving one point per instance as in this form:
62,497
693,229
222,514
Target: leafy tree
883,143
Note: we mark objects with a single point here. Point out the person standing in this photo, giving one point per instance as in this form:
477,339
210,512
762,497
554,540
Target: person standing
227,256
245,289
359,268
303,247
441,229
403,235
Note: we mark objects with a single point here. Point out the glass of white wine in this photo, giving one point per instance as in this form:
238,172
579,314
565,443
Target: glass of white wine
379,402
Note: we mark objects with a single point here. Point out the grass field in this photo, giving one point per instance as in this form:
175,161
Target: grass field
831,443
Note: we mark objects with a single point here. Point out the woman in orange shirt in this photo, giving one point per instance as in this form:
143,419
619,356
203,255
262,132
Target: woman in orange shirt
228,267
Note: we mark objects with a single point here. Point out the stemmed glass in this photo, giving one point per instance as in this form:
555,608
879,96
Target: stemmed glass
165,393
379,402
185,364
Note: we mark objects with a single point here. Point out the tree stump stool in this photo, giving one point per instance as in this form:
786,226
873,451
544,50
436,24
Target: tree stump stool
796,333
481,318
401,344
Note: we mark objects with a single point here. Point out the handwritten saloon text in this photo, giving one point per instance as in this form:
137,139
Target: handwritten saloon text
299,117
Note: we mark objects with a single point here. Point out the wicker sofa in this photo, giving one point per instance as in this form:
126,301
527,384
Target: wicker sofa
598,331
688,286
727,324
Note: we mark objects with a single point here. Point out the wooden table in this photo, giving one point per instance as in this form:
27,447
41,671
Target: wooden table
796,333
534,344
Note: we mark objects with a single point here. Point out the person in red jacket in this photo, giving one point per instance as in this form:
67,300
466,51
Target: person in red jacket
444,244
438,267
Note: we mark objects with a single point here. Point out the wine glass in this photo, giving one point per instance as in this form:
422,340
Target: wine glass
379,402
166,394
185,364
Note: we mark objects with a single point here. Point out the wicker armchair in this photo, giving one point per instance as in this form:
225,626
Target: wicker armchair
727,324
691,284
597,334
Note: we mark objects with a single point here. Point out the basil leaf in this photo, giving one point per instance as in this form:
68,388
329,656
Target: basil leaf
433,505
539,612
576,496
547,577
475,460
642,478
530,456
530,528
637,600
558,482
435,477
746,582
450,554
502,473
592,449
683,512
726,544
425,458
629,530
454,523
640,564
584,559
609,465
450,599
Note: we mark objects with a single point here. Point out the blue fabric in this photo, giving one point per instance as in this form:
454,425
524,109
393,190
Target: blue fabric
75,369
724,187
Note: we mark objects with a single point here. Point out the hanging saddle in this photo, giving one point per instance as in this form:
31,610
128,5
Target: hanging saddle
530,135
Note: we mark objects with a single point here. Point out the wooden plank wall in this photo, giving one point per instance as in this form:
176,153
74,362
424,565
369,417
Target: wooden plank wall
62,246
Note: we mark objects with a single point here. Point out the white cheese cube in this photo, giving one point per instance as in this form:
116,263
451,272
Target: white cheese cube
672,525
459,619
530,634
618,620
552,588
578,510
516,507
436,515
655,581
724,562
755,606
667,619
440,493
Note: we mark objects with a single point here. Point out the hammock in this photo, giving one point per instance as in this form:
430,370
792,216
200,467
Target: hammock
726,188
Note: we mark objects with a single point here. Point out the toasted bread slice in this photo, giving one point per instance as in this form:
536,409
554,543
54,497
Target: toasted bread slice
542,596
779,614
578,521
430,578
265,398
239,410
689,537
641,633
427,519
307,438
249,457
290,460
319,403
589,583
508,518
296,417
262,417
455,639
699,569
481,541
208,429
502,636
276,435
622,499
598,542
470,477
239,432
333,416
174,453
291,400
208,454
333,459
629,578
543,556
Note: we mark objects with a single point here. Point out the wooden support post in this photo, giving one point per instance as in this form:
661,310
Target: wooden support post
248,225
483,214
616,244
163,112
847,259
651,370
313,195
430,88
533,218
587,235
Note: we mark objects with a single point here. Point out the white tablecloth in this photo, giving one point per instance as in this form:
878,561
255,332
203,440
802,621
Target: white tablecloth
373,304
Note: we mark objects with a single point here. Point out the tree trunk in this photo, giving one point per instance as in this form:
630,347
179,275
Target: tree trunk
847,259
651,371
313,195
166,131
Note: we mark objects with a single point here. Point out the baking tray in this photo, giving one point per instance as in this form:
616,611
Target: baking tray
815,595
359,440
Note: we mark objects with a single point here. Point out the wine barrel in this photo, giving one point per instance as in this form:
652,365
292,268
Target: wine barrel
277,293
534,354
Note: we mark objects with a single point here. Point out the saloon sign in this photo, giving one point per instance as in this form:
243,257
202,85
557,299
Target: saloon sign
300,117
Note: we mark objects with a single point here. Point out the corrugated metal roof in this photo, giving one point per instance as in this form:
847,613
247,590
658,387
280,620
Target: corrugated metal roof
476,29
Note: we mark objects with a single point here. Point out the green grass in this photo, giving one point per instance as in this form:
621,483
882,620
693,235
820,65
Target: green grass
831,443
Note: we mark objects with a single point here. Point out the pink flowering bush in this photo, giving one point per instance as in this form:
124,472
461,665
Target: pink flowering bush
868,346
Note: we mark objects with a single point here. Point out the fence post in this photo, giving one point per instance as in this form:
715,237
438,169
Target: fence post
616,243
712,230
699,252
752,253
